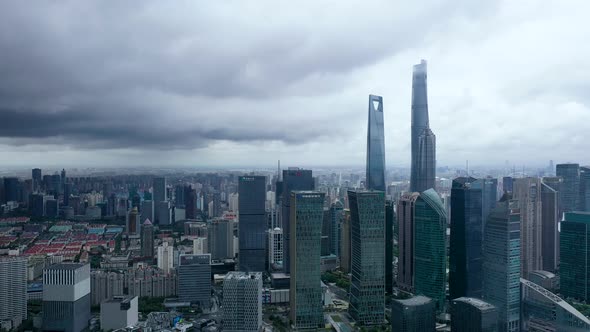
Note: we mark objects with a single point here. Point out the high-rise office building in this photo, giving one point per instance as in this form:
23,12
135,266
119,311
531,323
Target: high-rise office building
570,193
147,211
66,297
147,240
489,195
423,166
375,176
507,184
336,212
430,256
13,291
165,257
501,265
37,179
10,189
221,238
275,248
345,259
549,227
473,315
200,246
119,313
367,287
405,216
293,179
163,212
190,202
194,279
242,302
253,225
465,248
527,191
159,194
584,200
305,296
389,221
574,269
416,314
133,225
545,311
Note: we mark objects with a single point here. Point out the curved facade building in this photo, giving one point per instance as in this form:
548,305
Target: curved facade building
375,145
423,140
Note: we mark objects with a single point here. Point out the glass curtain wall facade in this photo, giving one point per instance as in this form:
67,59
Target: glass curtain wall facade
253,224
367,288
465,249
501,267
430,262
574,241
375,145
305,297
571,186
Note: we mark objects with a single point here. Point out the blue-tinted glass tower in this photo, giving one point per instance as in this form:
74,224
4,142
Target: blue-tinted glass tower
252,225
570,192
423,163
375,145
465,255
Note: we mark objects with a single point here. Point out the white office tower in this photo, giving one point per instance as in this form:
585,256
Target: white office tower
233,202
118,313
242,301
165,257
66,297
275,248
200,246
13,291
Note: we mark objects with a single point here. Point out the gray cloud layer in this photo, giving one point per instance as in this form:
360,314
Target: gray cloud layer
261,78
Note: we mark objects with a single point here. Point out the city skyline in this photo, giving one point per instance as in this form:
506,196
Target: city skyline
174,105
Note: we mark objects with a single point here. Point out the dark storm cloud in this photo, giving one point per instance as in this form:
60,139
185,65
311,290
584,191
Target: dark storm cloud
150,74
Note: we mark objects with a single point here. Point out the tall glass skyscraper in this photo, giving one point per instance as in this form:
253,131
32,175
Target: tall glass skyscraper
375,145
367,288
305,297
423,165
574,269
465,250
550,220
570,193
389,221
430,255
584,204
527,191
501,265
293,179
253,223
405,216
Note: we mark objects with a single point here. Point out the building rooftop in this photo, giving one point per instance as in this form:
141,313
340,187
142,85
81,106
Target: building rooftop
544,274
65,266
120,299
243,275
415,301
480,304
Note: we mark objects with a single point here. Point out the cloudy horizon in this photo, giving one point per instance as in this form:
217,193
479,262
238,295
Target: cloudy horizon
154,83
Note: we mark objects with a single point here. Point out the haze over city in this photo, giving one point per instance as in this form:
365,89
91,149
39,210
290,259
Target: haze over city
232,84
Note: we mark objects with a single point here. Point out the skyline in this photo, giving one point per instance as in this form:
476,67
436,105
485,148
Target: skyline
188,89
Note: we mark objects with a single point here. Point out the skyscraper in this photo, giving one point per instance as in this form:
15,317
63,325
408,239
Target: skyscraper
13,290
473,315
389,221
489,195
527,191
159,195
293,179
66,297
133,221
221,238
305,296
194,279
416,314
336,212
242,302
147,240
574,244
549,229
375,145
501,266
570,193
405,216
10,189
584,188
423,142
165,257
430,256
367,287
37,179
252,226
465,249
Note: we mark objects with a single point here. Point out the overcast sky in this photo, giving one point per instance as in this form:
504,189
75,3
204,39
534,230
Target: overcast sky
214,83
